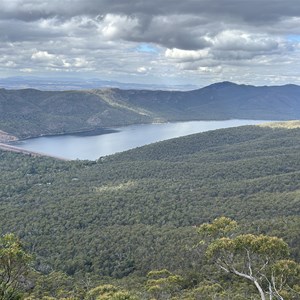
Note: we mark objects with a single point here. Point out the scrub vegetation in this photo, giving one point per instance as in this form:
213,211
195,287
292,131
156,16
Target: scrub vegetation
147,223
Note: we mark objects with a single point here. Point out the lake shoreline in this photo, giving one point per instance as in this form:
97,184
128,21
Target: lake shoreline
92,144
108,130
92,132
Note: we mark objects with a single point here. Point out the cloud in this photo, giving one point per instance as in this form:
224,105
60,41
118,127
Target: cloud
239,40
42,56
254,12
187,55
226,47
159,39
142,70
115,26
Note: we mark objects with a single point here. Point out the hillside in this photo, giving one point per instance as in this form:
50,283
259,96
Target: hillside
28,113
224,100
129,213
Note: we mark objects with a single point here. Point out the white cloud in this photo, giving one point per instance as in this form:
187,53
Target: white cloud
10,64
243,40
187,55
142,70
80,62
26,70
116,26
42,56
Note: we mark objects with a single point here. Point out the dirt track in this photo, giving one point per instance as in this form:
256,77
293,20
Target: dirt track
16,149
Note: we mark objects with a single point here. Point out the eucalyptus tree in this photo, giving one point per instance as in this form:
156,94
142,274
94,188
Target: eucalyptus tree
259,259
14,265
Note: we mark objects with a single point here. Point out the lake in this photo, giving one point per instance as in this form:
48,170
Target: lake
128,137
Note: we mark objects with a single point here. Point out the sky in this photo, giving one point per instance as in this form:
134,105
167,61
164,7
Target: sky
172,42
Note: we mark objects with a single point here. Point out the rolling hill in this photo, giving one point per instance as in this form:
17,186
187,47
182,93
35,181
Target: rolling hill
129,213
29,112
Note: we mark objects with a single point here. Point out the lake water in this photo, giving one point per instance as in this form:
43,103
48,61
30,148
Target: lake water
128,137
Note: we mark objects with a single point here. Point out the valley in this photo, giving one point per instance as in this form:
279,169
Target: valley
31,113
150,150
127,214
117,218
92,146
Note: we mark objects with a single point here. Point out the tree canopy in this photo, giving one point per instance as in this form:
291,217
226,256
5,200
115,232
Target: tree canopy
260,259
14,265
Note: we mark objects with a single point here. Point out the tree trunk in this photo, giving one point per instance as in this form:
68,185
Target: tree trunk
253,279
261,292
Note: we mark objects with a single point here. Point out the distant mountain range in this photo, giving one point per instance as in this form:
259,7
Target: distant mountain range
30,112
63,84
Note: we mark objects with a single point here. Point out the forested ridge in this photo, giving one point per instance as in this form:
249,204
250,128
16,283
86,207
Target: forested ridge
30,113
116,219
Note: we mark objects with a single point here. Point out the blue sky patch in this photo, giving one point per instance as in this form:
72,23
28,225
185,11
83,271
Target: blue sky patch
293,37
146,48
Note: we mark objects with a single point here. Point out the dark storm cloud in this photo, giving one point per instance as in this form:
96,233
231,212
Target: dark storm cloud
170,23
198,35
255,11
169,32
15,31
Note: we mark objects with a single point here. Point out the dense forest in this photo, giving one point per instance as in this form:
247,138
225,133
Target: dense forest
102,226
30,113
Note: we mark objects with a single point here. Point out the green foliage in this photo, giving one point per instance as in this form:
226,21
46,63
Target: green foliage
218,228
108,292
127,214
56,285
14,265
30,113
286,276
207,290
270,248
258,259
162,284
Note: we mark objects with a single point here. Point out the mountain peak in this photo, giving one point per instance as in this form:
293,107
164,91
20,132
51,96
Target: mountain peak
224,84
